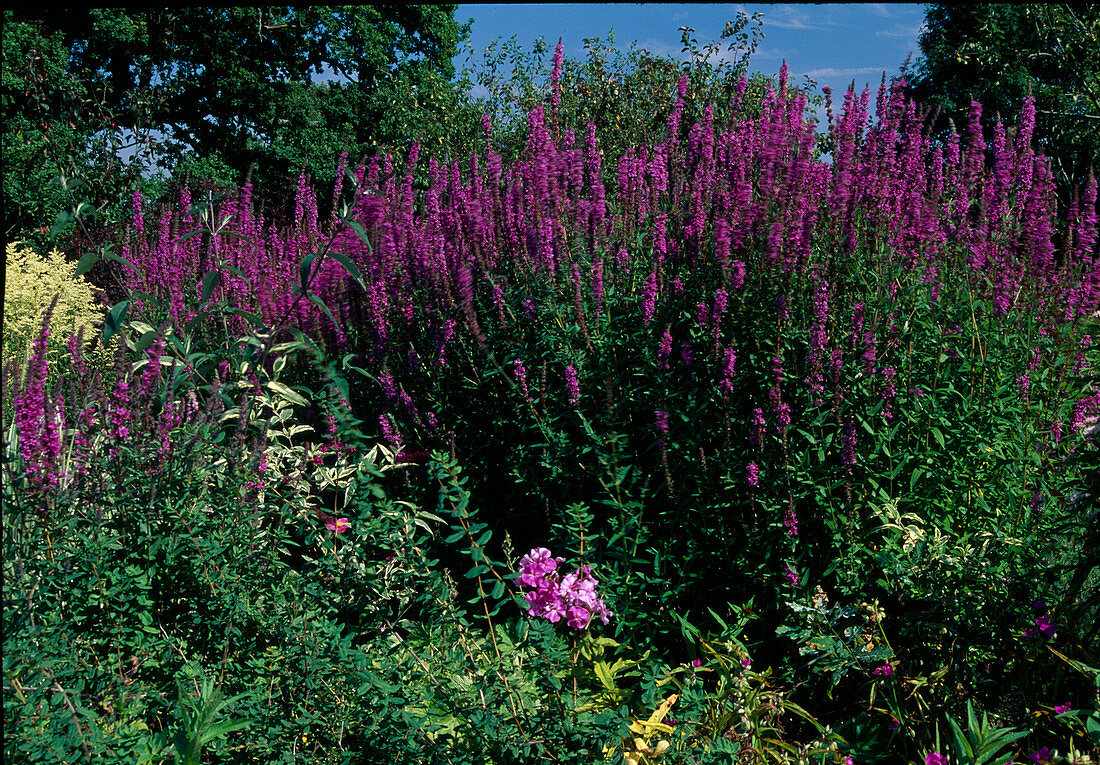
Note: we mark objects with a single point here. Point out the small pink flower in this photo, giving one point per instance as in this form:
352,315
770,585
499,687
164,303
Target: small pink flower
1061,709
696,663
935,758
885,669
337,525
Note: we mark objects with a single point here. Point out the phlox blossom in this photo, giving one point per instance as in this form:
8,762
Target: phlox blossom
555,597
535,565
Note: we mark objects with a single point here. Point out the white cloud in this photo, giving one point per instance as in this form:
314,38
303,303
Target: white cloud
659,48
911,32
776,53
789,17
831,72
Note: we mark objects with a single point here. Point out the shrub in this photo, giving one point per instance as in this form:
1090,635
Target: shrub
744,385
31,282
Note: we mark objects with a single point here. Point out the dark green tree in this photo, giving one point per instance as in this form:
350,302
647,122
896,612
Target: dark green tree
223,90
995,53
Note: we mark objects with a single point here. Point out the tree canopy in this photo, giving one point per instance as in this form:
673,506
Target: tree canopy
994,53
222,89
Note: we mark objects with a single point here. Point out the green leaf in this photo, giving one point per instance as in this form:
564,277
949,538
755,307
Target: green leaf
123,261
358,229
219,729
86,263
913,479
351,268
603,672
317,301
938,435
210,281
114,319
304,269
145,341
59,223
286,392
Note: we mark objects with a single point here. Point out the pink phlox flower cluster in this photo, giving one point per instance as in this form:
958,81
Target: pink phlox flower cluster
935,758
554,597
884,670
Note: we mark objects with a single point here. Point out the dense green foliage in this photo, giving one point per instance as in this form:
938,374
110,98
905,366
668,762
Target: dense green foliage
214,92
995,53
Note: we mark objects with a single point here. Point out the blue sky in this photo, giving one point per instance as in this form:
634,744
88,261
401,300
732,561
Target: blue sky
833,43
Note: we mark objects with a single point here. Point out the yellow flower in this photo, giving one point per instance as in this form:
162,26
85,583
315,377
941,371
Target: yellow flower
31,281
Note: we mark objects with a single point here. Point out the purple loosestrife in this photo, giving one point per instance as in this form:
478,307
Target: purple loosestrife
595,185
848,449
759,425
649,297
686,355
790,521
597,285
338,186
729,363
1085,410
119,412
661,420
572,384
664,349
37,429
555,76
889,392
752,474
775,393
660,242
389,432
521,379
791,575
718,312
466,294
673,124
